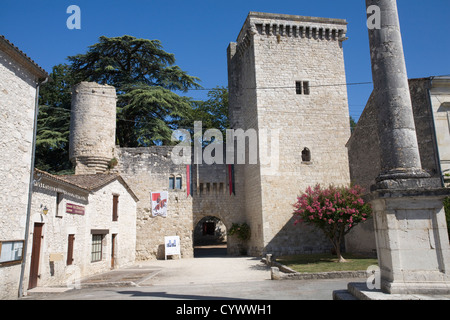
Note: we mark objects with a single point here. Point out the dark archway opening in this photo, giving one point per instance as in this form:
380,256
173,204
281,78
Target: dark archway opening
210,238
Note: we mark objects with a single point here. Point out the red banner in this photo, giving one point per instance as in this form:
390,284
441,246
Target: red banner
188,180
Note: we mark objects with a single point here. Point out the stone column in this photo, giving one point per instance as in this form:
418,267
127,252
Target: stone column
396,129
409,219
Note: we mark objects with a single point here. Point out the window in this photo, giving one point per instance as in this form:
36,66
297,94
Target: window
178,183
306,87
306,155
298,87
70,243
96,252
115,213
59,198
175,183
302,87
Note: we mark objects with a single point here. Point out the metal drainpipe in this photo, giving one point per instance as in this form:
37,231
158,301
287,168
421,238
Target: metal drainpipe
435,142
30,188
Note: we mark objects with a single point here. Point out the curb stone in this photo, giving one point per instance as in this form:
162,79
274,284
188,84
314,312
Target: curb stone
279,271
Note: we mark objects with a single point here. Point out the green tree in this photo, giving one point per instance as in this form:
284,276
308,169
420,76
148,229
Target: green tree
145,78
52,139
213,112
334,211
447,213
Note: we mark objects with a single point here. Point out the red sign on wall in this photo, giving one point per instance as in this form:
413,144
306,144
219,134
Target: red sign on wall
74,209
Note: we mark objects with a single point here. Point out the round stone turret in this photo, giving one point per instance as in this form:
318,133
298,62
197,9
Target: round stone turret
92,127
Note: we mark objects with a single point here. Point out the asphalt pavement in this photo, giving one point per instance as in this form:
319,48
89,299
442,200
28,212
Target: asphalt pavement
207,277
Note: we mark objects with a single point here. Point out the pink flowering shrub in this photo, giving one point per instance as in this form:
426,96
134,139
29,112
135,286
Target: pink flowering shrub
335,211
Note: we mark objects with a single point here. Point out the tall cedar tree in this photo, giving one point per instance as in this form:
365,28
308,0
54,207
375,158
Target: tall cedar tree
52,139
145,77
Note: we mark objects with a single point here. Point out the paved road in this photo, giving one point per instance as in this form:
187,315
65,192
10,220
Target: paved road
208,278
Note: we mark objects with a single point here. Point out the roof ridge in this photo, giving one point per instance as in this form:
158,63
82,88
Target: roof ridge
40,71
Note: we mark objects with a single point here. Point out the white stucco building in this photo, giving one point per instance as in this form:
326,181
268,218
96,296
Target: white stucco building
81,225
20,78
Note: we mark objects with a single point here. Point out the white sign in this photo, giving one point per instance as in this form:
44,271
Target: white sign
172,246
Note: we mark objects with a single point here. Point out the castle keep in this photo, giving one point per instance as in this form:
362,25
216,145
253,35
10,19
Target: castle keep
287,83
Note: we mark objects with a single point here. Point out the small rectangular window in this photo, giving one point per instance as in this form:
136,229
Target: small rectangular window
298,87
171,183
59,198
96,252
70,244
178,183
306,87
302,87
115,213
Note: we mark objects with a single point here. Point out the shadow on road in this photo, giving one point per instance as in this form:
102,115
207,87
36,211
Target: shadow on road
172,296
210,251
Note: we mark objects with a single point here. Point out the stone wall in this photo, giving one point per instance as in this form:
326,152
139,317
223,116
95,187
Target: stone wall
17,105
364,154
440,101
93,107
148,170
363,146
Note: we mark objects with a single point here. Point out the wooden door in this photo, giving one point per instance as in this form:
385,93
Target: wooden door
70,249
35,255
113,250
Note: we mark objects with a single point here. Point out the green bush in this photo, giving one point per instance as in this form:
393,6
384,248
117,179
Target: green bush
242,231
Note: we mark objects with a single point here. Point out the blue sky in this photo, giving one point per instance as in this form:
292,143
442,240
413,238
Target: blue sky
199,31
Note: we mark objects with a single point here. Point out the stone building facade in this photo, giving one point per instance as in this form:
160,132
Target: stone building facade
286,76
81,225
431,109
19,79
287,93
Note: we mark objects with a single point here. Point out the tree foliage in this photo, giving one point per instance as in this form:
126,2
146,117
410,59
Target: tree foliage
145,77
52,139
213,112
334,211
149,107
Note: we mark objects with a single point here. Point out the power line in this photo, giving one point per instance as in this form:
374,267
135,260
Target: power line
290,87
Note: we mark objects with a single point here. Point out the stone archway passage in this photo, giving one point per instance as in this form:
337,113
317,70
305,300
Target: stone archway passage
210,238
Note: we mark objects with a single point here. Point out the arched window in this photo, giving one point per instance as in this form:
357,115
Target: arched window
178,183
306,155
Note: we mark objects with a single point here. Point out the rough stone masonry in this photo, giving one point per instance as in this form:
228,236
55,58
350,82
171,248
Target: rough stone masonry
287,79
409,218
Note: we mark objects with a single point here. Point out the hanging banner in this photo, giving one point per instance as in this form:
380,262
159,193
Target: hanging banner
159,203
231,179
188,180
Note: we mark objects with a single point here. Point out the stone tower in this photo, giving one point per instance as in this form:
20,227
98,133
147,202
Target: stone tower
287,81
92,127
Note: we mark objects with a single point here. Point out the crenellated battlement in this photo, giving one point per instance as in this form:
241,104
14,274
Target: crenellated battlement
292,26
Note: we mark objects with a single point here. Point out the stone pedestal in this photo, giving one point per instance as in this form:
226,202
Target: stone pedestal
412,240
